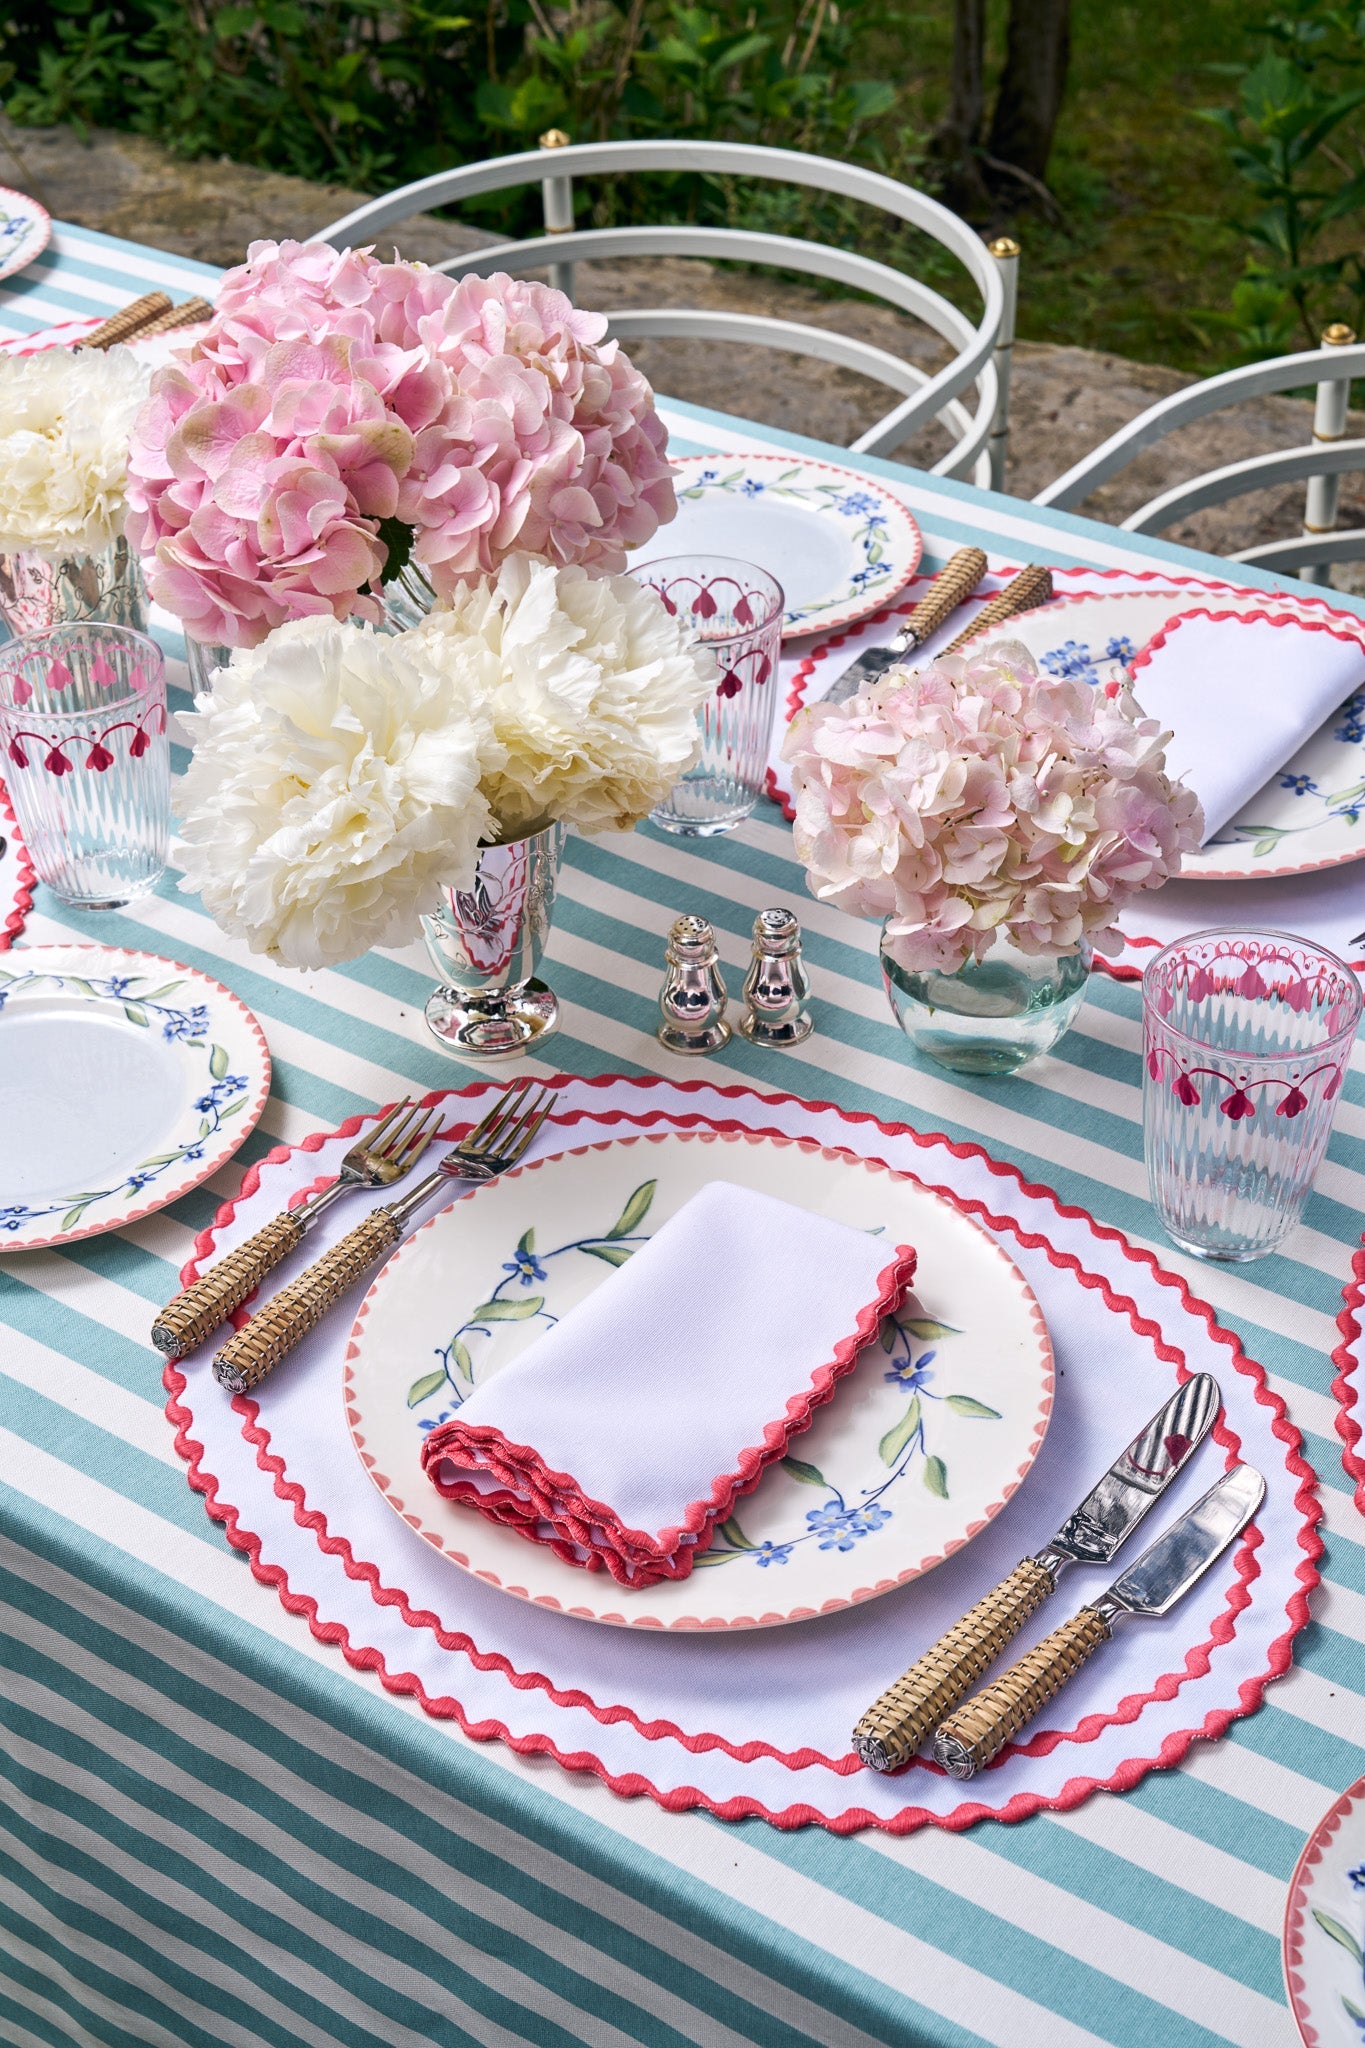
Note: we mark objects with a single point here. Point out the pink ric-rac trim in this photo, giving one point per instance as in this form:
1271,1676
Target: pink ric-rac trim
16,917
854,1818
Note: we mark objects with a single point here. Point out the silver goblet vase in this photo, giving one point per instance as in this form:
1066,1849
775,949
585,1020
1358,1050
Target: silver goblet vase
486,943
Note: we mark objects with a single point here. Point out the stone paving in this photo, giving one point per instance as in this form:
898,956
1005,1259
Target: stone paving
1065,400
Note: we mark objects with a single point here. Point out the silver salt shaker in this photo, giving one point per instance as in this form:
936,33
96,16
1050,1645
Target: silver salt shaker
692,999
777,984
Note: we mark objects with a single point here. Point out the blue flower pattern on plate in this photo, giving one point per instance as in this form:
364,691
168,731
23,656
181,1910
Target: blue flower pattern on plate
224,1097
870,536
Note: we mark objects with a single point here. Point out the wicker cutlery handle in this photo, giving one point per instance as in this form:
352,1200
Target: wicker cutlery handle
892,1730
289,1315
196,1313
953,584
969,1739
1030,588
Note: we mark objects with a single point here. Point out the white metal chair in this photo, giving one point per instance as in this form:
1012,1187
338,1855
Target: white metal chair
1323,461
981,347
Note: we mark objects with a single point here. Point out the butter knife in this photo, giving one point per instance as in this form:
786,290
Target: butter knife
892,1730
953,584
1165,1573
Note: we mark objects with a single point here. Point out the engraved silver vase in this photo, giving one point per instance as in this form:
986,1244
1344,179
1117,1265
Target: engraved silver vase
37,593
486,943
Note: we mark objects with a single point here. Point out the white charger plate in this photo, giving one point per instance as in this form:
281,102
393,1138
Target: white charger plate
840,544
125,1081
1310,814
916,1452
25,230
1324,1928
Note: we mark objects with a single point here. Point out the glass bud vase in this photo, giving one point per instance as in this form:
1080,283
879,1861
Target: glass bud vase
38,592
486,943
991,1016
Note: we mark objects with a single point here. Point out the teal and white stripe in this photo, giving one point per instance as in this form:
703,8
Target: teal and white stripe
214,1830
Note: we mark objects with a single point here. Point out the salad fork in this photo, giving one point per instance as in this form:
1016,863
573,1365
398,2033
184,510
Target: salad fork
495,1143
376,1160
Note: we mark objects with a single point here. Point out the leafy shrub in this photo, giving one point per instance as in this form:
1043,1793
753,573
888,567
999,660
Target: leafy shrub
372,93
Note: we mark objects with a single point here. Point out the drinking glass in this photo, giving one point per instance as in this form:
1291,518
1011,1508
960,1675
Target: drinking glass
1246,1038
736,608
86,759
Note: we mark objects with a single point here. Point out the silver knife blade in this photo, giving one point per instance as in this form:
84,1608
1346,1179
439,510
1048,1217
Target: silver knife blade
950,589
1112,1510
1169,1567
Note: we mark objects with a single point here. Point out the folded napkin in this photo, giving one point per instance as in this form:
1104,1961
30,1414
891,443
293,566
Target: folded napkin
622,1436
1241,692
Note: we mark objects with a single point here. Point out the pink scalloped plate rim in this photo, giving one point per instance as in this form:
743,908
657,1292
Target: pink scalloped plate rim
1297,1907
14,914
639,1617
1075,1790
217,1156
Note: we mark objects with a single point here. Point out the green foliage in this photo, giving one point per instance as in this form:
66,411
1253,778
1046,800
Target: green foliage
1295,142
374,92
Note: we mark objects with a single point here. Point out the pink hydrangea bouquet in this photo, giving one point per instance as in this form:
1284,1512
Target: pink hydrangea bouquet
342,417
977,799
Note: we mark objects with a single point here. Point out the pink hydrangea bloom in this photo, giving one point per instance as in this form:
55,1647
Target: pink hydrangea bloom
332,392
977,797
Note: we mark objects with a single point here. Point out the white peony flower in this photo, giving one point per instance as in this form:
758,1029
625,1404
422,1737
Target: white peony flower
65,421
591,686
333,790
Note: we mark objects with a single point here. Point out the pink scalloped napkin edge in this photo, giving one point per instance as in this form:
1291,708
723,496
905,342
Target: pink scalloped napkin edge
713,1391
758,1724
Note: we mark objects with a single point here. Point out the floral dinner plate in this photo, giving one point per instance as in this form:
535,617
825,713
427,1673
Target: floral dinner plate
1310,814
125,1081
25,230
838,542
919,1448
1324,1928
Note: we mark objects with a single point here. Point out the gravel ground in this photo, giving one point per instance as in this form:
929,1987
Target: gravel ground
1065,400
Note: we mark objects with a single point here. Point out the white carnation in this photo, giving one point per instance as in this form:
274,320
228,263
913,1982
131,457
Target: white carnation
333,791
65,421
592,688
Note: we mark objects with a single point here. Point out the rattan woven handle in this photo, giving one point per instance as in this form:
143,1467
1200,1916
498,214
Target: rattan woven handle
205,1306
970,1738
1030,588
274,1331
955,582
890,1732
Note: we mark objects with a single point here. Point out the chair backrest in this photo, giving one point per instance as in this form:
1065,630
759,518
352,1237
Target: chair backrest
1322,461
923,397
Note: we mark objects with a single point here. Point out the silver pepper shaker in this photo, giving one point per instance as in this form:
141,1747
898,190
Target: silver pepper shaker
692,999
777,983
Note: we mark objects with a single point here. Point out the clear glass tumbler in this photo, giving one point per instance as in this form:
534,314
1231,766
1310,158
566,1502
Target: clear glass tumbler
86,759
1246,1038
736,609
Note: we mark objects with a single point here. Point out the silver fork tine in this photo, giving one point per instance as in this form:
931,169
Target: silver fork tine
522,1137
397,1137
386,1120
414,1145
504,1111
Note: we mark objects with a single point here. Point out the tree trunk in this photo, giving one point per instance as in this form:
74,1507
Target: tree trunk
1031,89
958,135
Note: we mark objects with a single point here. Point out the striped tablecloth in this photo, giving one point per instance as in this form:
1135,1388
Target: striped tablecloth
213,1830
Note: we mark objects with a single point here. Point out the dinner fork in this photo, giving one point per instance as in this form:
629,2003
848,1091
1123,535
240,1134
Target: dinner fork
495,1143
376,1160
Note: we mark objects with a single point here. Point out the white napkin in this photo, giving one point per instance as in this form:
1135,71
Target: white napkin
1241,692
623,1436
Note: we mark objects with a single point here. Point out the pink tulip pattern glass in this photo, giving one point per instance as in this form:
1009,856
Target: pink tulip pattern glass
1246,1039
86,759
736,609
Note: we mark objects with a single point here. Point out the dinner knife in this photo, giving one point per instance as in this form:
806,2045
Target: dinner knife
1024,593
969,1739
892,1730
953,584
